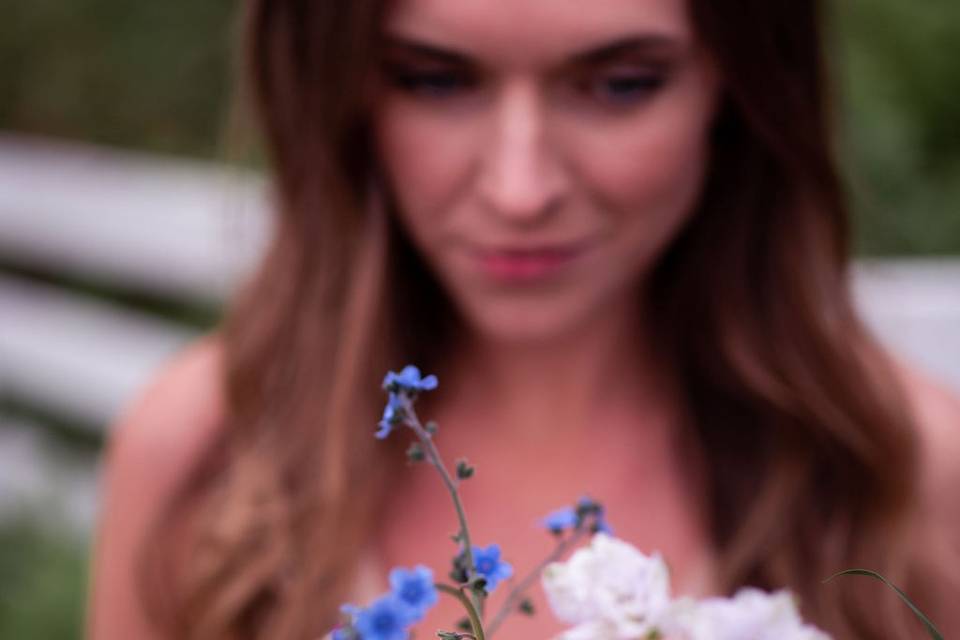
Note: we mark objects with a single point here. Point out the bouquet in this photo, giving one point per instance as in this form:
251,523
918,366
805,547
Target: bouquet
607,590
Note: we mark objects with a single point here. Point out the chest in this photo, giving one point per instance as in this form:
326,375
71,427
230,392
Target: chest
650,495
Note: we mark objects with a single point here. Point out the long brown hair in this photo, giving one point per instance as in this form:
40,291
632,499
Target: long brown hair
811,456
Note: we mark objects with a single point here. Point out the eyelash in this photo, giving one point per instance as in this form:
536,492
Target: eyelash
615,89
431,84
622,89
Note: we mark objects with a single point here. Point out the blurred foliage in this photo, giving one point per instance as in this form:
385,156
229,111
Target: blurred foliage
152,75
902,95
156,76
42,593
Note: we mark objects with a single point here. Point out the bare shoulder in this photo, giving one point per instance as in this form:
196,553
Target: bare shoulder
177,412
936,410
152,447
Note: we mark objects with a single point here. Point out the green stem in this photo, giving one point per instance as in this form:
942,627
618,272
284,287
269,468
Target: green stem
931,629
452,487
475,623
513,599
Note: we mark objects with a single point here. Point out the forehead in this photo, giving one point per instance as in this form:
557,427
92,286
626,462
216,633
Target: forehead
534,31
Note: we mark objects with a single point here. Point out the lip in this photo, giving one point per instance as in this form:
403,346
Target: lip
525,264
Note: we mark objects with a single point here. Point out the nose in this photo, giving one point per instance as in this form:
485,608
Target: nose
522,178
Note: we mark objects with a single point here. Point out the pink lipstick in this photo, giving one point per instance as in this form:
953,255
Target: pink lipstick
526,265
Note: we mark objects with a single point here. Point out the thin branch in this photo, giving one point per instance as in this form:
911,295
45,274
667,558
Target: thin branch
453,488
471,611
516,594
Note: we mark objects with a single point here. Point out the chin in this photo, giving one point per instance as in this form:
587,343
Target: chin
525,322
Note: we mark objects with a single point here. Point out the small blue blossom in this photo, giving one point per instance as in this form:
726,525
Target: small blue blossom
346,631
602,526
409,381
490,566
386,619
600,523
414,587
343,633
402,389
392,414
561,520
350,610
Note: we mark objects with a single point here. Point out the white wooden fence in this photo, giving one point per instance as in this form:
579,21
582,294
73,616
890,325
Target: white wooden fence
188,230
172,229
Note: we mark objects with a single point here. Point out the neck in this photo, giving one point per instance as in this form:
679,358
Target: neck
559,386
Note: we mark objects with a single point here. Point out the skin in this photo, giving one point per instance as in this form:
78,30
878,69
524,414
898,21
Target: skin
539,149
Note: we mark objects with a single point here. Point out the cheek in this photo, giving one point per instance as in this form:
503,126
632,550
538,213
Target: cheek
646,176
425,159
652,170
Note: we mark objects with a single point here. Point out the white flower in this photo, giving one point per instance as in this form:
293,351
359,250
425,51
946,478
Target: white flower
609,590
750,615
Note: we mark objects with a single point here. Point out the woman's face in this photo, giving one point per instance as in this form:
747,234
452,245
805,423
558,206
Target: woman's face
542,153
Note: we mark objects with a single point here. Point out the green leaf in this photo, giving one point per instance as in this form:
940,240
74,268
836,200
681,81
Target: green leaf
931,629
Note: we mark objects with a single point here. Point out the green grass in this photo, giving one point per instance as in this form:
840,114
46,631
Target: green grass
150,75
43,589
902,95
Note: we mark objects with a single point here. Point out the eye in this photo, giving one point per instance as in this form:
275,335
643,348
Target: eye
430,83
621,88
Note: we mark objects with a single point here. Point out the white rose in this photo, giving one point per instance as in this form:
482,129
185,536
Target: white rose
750,615
609,589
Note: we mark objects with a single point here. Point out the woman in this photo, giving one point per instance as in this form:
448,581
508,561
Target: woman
617,236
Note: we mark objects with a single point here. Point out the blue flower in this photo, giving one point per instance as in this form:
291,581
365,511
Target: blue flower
602,526
343,633
490,566
414,587
586,502
561,520
346,630
409,381
392,414
386,619
589,507
587,511
402,389
351,611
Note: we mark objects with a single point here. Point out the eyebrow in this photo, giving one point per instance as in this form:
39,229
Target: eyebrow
591,56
